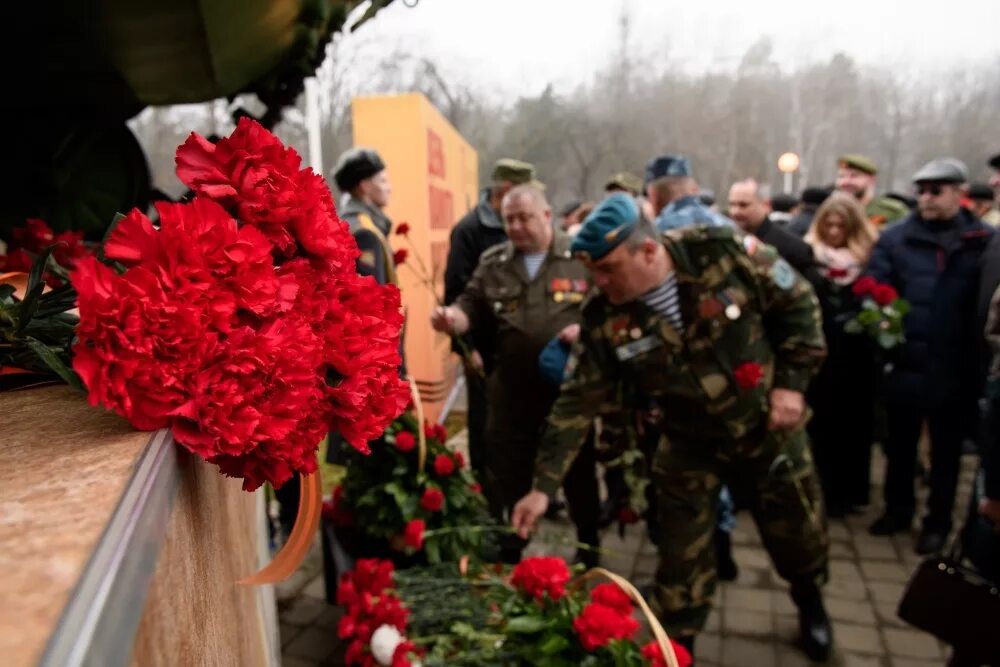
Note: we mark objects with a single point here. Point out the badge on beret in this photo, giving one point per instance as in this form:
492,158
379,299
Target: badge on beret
782,274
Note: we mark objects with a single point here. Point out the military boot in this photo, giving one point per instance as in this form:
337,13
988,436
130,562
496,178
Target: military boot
814,625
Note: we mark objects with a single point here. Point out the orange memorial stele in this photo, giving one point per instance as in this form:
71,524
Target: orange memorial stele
434,175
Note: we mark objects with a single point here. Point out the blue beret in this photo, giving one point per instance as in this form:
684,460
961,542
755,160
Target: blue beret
667,165
608,224
552,361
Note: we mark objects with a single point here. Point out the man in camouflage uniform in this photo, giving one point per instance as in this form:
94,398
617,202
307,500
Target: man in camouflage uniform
856,176
525,291
725,336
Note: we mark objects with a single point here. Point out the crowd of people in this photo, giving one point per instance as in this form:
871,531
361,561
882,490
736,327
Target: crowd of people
712,337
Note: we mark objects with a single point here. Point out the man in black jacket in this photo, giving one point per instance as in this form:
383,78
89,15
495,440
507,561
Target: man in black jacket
933,259
480,229
750,208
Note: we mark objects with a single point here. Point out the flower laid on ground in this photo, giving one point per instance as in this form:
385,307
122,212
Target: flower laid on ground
371,605
30,241
437,510
481,615
882,312
541,577
748,375
240,322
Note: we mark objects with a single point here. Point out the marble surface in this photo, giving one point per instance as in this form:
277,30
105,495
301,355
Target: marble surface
63,467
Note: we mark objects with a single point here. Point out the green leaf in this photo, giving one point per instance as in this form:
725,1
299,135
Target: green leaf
526,624
887,340
52,360
853,327
553,643
34,290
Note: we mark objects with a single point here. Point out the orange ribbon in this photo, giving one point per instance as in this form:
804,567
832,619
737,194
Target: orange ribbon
294,551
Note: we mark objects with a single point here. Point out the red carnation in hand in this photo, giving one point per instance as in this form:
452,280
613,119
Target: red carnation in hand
413,534
403,229
405,441
748,375
399,257
443,465
863,285
884,294
611,595
432,500
652,652
598,624
541,576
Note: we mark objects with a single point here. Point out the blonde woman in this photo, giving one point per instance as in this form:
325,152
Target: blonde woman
844,392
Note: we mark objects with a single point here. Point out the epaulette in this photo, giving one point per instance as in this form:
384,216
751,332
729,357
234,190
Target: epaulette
497,254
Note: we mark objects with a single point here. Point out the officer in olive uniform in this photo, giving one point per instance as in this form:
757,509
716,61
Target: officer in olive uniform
527,290
360,175
724,335
856,176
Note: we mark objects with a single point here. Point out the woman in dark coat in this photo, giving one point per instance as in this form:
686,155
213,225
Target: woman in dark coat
843,394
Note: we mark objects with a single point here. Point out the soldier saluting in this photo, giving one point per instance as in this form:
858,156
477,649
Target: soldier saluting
724,336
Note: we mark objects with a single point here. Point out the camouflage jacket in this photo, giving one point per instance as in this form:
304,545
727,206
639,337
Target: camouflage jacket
742,305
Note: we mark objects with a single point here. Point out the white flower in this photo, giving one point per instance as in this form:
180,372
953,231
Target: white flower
384,642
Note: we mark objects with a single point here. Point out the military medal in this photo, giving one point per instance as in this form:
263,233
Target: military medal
733,311
635,333
558,297
709,308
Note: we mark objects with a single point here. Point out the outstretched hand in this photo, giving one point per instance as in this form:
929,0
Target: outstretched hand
528,511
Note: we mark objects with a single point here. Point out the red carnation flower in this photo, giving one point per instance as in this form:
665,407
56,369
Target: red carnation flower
884,294
610,595
405,441
541,576
435,432
413,534
334,510
748,375
652,652
627,515
403,229
598,624
476,487
459,460
443,465
432,500
863,285
34,236
17,260
399,257
404,650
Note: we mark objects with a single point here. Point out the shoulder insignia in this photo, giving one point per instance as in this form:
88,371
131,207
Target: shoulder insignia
782,274
496,254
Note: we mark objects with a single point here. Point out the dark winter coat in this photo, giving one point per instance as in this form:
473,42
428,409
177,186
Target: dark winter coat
939,361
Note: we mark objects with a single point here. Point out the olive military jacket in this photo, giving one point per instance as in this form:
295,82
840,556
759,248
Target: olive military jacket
524,314
751,323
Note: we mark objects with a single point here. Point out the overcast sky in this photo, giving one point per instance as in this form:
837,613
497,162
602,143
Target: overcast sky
519,46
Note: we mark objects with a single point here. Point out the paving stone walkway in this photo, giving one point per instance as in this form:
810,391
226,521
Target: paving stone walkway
754,623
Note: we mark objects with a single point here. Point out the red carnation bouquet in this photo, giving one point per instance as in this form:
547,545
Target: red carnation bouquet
238,320
534,614
388,502
881,314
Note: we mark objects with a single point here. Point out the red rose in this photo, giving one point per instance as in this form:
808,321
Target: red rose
405,441
459,460
883,295
399,257
403,229
748,375
863,285
598,624
476,487
541,576
443,465
432,500
610,595
627,515
652,652
413,534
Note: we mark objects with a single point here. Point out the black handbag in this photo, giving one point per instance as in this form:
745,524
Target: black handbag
956,604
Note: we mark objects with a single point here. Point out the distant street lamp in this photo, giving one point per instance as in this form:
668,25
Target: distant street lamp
788,164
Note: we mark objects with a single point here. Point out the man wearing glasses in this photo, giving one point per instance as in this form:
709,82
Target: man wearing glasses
932,258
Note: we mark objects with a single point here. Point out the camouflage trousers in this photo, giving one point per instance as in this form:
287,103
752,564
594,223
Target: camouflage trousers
774,474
